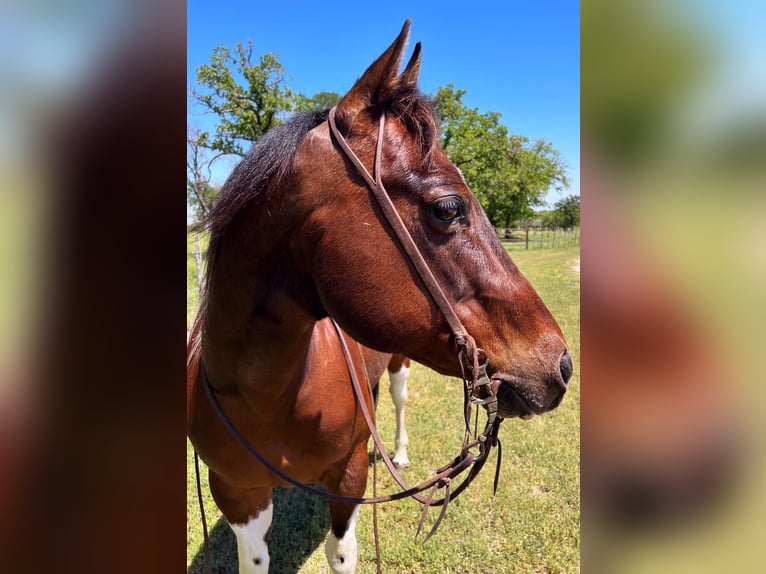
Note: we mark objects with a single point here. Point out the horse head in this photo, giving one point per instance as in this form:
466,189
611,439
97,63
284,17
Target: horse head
353,268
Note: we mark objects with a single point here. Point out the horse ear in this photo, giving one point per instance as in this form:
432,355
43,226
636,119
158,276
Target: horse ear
409,77
378,83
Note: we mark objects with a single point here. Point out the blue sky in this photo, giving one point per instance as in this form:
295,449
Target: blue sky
517,58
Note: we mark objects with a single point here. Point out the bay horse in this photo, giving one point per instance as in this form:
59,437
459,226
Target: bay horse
296,238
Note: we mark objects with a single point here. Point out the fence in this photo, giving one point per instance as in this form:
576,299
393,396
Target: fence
538,238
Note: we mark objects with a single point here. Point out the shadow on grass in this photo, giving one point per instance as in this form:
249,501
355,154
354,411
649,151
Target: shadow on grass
301,522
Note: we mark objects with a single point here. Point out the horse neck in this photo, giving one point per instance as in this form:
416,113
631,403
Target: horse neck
256,334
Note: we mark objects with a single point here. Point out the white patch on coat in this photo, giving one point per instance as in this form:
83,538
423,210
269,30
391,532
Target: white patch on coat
343,554
252,550
398,390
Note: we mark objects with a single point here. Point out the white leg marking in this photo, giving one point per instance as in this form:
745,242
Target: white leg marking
343,553
398,390
252,550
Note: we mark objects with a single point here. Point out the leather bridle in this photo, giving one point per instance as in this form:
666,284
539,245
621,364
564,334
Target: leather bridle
470,357
477,389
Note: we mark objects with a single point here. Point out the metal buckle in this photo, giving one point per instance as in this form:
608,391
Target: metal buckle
480,380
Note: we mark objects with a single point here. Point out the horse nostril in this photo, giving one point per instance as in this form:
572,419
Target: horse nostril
565,366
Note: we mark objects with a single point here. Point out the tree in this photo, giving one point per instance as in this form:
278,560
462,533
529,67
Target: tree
566,213
199,160
476,143
317,102
248,99
535,168
245,112
508,174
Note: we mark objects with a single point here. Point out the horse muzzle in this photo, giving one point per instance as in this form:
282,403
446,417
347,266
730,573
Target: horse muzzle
525,397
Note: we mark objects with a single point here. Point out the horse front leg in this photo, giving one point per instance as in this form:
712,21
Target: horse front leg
398,389
341,548
249,513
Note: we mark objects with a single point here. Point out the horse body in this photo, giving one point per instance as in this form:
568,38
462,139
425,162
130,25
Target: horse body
295,238
294,429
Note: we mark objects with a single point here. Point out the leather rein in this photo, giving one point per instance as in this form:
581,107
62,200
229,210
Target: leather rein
477,389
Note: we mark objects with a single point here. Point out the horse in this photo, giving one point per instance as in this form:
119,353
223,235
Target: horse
297,241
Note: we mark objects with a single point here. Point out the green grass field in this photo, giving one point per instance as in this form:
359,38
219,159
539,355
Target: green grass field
532,525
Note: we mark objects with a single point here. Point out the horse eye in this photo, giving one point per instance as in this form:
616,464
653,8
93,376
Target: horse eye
446,210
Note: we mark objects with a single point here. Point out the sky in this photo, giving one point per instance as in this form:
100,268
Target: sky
518,58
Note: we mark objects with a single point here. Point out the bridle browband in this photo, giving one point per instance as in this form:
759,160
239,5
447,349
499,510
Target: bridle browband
472,361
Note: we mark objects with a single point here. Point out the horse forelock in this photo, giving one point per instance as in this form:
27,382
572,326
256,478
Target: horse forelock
416,112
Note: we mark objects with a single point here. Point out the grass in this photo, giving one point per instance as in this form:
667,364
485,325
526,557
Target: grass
530,526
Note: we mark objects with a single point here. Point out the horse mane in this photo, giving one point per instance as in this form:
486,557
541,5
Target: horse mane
271,158
267,162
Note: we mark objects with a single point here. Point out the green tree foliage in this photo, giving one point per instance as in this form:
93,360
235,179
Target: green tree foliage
566,213
476,143
317,102
535,168
248,98
509,174
245,110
